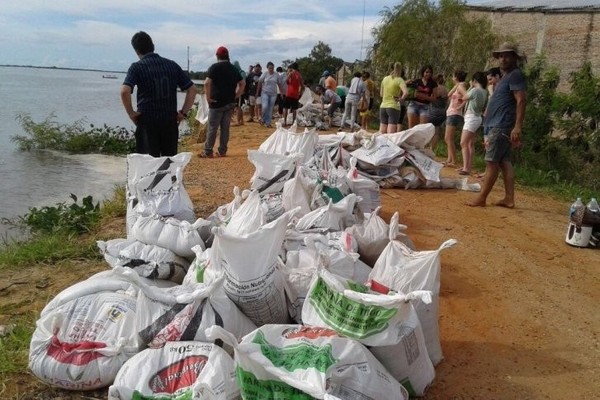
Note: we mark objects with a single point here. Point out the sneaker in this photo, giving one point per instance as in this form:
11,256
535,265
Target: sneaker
218,154
268,126
205,155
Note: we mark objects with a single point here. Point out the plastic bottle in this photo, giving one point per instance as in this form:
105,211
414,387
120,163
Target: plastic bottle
593,206
574,206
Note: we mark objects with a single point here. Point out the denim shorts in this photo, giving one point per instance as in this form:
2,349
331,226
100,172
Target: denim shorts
499,145
420,109
454,120
390,116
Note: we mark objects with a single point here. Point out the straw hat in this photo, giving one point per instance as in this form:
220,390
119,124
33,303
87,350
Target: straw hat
507,47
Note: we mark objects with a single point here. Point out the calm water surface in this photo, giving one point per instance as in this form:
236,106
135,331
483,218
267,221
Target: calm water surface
40,178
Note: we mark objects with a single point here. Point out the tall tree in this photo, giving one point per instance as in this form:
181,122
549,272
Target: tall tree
424,32
319,60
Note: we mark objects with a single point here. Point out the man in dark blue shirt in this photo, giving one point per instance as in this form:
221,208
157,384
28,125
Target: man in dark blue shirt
503,126
157,80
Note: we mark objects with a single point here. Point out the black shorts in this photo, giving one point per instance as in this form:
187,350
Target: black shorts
290,103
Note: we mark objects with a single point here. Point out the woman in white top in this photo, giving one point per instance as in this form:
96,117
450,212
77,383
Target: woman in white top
476,98
268,84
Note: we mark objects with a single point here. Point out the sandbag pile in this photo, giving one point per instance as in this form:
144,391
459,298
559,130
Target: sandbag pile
297,288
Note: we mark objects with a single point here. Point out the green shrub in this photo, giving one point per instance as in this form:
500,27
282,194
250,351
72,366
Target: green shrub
73,138
62,218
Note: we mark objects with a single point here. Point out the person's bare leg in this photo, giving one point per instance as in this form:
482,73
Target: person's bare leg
392,128
466,148
383,128
508,176
449,139
413,119
491,174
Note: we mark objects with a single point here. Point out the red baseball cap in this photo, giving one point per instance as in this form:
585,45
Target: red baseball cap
223,52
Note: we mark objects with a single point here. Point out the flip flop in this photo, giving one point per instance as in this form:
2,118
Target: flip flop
463,172
205,155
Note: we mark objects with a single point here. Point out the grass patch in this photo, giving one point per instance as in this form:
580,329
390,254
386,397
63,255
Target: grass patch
14,346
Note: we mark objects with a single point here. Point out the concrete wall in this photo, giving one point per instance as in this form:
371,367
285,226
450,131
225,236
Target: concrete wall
568,39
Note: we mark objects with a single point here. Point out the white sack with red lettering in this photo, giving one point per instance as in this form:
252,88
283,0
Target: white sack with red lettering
82,340
191,370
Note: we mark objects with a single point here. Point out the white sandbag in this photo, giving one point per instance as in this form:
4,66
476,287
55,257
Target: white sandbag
248,217
249,262
364,187
200,270
373,235
190,370
272,170
155,186
377,150
454,183
273,204
401,269
81,342
375,320
286,142
416,137
223,213
300,362
296,194
169,233
182,313
301,266
334,217
147,260
427,166
202,109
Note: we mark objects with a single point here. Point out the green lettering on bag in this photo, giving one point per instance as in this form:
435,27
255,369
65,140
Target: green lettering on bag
349,317
252,388
187,395
297,356
200,274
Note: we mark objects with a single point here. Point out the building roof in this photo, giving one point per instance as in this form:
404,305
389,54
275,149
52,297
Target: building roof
539,5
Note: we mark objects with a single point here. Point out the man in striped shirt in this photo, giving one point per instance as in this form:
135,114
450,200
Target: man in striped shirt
157,79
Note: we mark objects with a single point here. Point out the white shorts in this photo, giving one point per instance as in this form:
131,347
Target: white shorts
252,100
472,122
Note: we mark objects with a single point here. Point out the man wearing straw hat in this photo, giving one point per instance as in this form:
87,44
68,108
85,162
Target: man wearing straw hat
503,125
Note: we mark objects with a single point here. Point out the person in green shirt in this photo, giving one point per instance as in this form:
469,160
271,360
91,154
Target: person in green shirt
475,98
393,90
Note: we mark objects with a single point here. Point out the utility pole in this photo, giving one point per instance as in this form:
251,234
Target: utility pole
188,60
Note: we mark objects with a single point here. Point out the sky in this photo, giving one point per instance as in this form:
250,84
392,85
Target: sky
97,34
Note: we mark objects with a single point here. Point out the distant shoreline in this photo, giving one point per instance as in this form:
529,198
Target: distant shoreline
65,68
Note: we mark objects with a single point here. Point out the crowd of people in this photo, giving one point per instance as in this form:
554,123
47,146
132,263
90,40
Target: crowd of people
494,99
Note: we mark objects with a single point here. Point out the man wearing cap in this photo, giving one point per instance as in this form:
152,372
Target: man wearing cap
222,86
157,80
503,126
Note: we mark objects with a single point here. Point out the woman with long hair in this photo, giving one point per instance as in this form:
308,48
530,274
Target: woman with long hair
475,98
393,90
454,114
425,93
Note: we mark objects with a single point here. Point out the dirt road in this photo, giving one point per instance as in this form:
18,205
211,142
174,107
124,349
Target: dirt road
519,312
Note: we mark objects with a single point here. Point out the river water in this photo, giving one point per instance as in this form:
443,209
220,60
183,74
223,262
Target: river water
44,178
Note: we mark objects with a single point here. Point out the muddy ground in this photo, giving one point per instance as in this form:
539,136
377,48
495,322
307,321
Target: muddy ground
519,307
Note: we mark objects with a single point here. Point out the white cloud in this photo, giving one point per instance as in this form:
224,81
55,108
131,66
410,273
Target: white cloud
97,34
